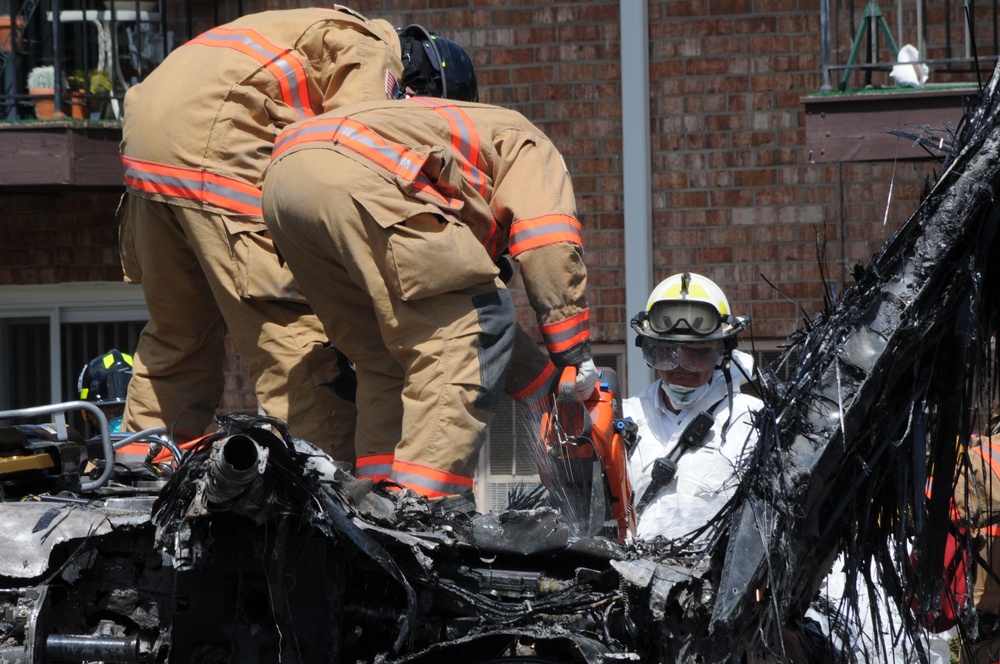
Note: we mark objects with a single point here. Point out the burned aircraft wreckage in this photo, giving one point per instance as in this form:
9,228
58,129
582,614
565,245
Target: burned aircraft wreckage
259,548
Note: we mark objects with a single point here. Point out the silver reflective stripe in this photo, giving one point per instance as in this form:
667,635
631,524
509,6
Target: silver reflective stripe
527,234
267,57
375,469
564,335
414,479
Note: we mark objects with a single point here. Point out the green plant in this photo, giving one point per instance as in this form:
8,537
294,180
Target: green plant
41,78
77,81
100,82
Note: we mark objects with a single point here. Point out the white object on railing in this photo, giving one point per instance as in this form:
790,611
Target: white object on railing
909,73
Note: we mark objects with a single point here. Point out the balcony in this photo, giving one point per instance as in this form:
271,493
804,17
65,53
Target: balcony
860,101
96,49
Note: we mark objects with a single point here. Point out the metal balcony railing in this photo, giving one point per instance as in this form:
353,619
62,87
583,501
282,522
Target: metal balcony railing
956,39
97,49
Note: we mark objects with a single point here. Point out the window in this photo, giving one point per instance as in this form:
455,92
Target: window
48,333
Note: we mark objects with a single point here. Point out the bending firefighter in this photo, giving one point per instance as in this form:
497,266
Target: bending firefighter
392,216
198,134
694,424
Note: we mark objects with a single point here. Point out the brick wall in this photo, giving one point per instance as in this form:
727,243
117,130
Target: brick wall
734,194
49,237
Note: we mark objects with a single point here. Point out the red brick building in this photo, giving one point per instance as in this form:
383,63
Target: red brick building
693,132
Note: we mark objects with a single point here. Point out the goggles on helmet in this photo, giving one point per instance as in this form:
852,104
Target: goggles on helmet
665,355
684,317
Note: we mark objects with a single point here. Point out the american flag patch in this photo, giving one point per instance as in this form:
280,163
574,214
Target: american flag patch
391,85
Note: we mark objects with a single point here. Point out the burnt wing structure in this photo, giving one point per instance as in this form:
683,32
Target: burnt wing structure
888,385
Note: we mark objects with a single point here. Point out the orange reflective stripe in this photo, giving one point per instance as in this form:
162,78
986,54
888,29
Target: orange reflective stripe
528,234
397,159
374,466
287,69
464,140
193,184
429,482
533,396
566,333
991,454
466,143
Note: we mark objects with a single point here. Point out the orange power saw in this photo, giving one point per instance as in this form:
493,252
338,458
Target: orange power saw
584,460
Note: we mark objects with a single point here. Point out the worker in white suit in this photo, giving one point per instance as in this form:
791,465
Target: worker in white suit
694,424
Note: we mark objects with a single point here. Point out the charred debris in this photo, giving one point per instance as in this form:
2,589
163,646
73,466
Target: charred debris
260,548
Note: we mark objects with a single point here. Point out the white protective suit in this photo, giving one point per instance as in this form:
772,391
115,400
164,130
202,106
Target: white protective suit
706,475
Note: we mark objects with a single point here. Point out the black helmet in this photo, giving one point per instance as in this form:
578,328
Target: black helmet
105,379
436,67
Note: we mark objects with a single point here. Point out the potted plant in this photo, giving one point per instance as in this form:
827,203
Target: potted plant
77,94
41,86
100,93
7,32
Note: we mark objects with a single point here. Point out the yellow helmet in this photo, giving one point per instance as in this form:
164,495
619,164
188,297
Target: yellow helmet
687,307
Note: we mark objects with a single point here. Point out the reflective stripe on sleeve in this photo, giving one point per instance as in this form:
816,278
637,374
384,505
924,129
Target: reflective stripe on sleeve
193,184
565,334
548,229
533,397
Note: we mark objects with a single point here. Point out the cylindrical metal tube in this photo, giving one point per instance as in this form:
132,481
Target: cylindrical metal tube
235,463
61,647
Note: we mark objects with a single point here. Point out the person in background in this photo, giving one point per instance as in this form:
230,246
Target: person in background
197,136
392,216
977,507
694,424
104,382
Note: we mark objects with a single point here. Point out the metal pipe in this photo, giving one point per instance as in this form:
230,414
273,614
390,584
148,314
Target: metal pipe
636,168
102,421
234,463
161,437
60,647
824,32
921,30
57,61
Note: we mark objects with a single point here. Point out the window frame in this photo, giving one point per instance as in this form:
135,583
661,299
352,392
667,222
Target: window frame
79,302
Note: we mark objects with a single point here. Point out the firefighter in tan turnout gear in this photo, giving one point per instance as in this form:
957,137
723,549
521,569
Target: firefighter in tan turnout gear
392,215
198,134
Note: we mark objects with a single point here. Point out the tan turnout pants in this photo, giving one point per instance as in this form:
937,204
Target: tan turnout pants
202,273
413,300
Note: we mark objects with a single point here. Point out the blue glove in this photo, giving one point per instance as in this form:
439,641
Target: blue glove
586,379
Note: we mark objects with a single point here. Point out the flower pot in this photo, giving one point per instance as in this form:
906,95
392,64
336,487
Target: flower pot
45,102
5,33
79,105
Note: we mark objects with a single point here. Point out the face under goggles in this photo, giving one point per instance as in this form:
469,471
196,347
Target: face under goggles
668,355
683,316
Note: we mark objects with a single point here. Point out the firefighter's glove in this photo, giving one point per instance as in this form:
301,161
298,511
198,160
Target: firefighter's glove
586,379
